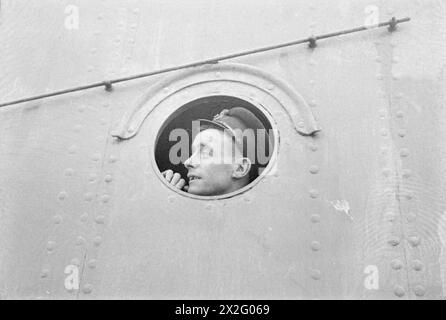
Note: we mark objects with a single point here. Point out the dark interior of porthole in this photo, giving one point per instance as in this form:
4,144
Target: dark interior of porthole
203,108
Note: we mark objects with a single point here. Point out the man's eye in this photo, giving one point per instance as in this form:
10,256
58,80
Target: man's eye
207,152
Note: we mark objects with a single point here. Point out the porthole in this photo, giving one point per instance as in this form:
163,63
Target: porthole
215,147
204,92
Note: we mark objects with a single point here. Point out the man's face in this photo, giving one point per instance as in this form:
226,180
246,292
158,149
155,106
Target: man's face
210,166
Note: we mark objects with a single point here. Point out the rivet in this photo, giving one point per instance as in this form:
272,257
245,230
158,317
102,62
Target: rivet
313,147
100,219
50,246
396,76
396,264
96,32
399,291
88,196
406,173
81,108
411,217
80,241
395,60
402,133
414,241
315,274
315,246
209,207
100,16
90,69
84,217
77,128
57,219
118,40
135,11
394,241
166,89
218,74
313,103
387,172
96,156
93,50
92,263
270,87
399,96
300,124
400,114
72,150
104,121
417,265
379,76
69,172
312,82
314,193
409,195
105,198
171,199
108,178
383,113
133,26
45,273
92,177
314,169
97,241
384,132
62,195
88,288
315,218
75,262
404,153
312,62
390,216
419,291
247,199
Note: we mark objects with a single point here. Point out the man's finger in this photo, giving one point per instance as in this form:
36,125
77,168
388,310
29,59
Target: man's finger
186,188
169,175
180,184
176,177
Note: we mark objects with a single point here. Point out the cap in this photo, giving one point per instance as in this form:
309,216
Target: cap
235,122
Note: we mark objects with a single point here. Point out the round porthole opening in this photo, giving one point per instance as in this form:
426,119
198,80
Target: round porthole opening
215,147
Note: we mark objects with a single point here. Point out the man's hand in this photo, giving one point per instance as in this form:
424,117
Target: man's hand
175,179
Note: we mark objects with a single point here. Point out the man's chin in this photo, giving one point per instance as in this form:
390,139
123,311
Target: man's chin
198,190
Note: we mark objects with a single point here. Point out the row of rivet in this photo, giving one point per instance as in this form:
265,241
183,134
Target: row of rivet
313,169
413,240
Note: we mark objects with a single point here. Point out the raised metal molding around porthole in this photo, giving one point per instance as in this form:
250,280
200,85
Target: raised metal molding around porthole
292,102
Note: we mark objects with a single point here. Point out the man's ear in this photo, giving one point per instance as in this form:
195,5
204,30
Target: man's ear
241,168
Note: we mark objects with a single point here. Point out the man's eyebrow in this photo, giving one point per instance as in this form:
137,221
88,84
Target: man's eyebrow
202,144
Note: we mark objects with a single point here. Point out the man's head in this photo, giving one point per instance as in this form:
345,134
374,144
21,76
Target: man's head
219,163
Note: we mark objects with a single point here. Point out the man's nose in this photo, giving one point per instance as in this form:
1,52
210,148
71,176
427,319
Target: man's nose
191,162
